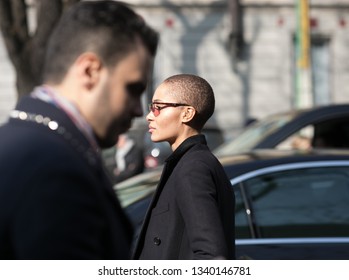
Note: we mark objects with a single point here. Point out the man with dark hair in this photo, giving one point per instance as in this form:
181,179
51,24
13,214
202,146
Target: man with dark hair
56,199
191,215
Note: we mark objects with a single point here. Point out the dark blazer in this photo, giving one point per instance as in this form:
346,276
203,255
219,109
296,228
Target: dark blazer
56,200
191,215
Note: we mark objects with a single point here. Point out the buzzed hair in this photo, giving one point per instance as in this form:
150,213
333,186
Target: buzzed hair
110,29
194,91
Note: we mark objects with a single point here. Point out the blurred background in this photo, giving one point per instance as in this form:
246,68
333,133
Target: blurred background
280,72
260,56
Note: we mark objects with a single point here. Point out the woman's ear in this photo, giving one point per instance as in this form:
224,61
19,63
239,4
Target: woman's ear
188,114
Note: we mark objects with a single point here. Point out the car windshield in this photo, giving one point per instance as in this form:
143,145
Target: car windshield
254,134
136,188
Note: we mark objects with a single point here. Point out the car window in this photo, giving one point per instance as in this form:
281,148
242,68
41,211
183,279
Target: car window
332,133
301,140
136,188
253,135
242,229
301,203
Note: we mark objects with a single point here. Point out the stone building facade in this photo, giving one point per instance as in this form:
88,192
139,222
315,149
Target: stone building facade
196,38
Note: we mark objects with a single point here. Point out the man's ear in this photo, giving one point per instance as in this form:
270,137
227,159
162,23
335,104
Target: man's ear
89,68
188,114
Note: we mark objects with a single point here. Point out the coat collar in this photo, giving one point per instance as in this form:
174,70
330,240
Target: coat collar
184,147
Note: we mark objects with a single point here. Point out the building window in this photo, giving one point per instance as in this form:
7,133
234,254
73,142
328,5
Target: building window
320,70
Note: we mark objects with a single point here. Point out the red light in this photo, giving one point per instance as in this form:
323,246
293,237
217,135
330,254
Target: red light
169,22
313,23
342,22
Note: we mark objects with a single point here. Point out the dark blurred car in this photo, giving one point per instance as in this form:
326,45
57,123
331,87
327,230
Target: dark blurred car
289,204
319,127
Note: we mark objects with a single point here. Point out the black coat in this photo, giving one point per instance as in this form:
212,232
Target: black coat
56,201
191,215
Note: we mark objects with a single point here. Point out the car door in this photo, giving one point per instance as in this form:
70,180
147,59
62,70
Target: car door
299,211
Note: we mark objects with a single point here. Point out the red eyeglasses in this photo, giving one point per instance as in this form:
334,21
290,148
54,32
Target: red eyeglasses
155,108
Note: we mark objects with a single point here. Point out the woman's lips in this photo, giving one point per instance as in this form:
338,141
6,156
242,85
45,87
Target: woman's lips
151,129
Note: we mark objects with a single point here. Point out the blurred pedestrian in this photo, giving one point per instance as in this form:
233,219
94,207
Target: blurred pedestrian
56,200
125,160
191,215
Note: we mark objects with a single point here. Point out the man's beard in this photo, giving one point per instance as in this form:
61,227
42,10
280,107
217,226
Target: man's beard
112,136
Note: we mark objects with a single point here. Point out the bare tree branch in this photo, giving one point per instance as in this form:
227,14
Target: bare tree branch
26,51
11,30
48,13
20,24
